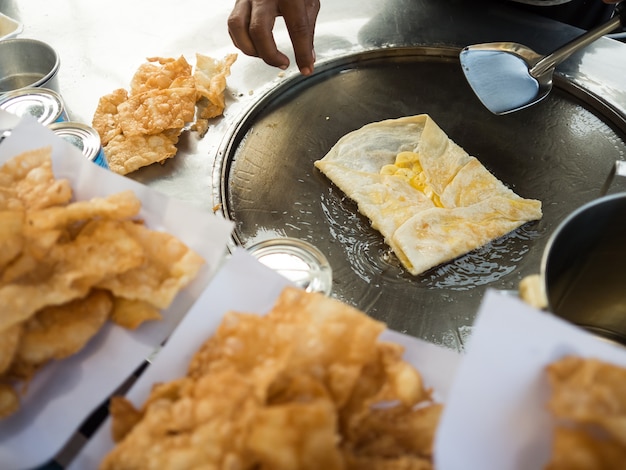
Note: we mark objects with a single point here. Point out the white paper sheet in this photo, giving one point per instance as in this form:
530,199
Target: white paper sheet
495,416
244,284
64,393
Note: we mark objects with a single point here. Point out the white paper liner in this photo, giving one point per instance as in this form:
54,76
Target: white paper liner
496,416
64,393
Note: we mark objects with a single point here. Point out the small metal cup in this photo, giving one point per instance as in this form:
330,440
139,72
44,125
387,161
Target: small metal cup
583,268
297,260
27,63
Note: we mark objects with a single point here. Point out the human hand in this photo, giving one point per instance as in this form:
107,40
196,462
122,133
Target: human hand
251,23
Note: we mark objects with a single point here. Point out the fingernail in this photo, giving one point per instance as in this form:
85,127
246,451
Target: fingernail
283,67
305,71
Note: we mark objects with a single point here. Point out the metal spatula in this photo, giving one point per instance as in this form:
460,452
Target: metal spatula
508,76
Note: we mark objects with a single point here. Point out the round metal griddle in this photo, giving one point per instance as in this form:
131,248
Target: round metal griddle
559,151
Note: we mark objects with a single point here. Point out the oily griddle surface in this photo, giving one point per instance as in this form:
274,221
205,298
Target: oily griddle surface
559,151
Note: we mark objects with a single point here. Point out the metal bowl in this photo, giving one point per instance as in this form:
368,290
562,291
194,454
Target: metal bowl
584,268
27,63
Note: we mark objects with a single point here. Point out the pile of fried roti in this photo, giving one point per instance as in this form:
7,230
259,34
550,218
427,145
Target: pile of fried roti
307,386
142,126
66,267
588,401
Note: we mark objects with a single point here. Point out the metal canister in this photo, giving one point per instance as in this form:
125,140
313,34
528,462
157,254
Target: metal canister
84,138
43,104
583,267
297,260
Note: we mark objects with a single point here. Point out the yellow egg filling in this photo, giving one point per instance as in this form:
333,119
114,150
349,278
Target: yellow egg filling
407,166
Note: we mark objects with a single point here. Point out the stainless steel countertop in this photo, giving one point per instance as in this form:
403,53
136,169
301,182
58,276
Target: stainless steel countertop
101,44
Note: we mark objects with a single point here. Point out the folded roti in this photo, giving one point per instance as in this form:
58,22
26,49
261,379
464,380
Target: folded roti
431,200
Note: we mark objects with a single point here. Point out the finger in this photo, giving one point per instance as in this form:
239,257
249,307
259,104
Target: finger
238,27
262,18
300,20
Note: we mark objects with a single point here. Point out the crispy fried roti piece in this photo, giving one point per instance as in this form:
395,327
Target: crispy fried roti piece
27,182
168,266
12,239
122,205
141,127
132,313
106,117
160,73
101,250
576,449
155,111
210,75
9,342
311,442
309,386
387,379
270,352
202,426
60,331
588,391
391,433
127,154
124,417
127,416
9,400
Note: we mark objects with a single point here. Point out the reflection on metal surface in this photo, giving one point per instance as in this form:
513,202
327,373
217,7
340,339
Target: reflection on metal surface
42,104
267,181
584,267
501,80
487,264
299,261
508,76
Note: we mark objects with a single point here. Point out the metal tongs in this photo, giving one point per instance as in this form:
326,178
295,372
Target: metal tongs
508,76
